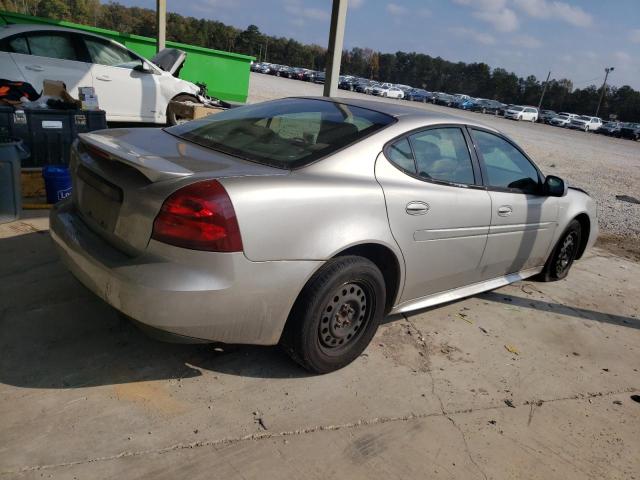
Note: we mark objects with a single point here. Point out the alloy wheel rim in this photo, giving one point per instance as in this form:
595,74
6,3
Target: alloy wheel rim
567,251
345,317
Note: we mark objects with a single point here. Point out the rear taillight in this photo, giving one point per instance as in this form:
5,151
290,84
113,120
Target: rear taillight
199,216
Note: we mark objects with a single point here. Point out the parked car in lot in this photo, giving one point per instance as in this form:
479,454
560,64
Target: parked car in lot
440,98
562,119
546,115
391,92
487,106
129,87
519,112
365,86
630,131
419,95
309,75
585,123
319,77
348,83
226,228
466,104
611,129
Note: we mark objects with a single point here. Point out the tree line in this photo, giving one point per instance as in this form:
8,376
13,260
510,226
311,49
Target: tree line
415,69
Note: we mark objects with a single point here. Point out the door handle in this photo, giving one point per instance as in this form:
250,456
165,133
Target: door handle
104,78
417,208
35,68
505,211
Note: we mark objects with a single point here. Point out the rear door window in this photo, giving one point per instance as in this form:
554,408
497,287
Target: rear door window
52,45
442,154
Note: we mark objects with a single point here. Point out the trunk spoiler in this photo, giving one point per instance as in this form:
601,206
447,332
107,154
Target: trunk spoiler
153,167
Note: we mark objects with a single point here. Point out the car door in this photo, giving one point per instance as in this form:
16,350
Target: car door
438,212
126,94
50,55
523,220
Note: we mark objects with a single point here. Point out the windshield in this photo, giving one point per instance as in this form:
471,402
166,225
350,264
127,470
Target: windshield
582,117
517,109
283,133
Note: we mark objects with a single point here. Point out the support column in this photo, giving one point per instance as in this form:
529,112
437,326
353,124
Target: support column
161,23
334,53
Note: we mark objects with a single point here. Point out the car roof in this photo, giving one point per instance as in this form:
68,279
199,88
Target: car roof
403,112
13,29
23,28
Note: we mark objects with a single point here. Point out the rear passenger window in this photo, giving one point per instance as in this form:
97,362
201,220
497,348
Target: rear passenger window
52,46
18,45
442,154
400,154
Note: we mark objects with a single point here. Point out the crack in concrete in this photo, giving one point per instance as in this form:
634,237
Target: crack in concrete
303,431
425,348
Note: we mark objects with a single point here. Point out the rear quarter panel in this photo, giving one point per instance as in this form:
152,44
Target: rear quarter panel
314,212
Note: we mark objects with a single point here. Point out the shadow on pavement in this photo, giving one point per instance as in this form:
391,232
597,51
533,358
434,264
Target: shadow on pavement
54,333
558,308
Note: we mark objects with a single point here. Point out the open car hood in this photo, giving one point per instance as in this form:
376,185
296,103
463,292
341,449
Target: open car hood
170,60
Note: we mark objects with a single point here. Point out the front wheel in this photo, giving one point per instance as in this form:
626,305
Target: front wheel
173,116
563,254
336,315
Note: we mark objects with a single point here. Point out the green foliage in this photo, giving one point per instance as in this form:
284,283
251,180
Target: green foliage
416,69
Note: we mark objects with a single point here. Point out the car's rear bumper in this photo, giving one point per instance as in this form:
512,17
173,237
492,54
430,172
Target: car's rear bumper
220,297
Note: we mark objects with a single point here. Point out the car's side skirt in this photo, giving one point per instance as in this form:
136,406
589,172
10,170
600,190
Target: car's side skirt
462,292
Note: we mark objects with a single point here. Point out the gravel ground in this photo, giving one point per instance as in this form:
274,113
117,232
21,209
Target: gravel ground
603,166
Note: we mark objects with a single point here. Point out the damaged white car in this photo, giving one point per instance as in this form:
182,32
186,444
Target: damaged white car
129,87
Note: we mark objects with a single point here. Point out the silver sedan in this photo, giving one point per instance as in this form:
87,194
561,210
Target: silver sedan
304,221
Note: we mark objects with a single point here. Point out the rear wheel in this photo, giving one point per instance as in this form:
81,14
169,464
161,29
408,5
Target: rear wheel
336,314
173,117
563,254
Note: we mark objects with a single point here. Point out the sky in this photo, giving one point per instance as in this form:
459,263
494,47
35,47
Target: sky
574,39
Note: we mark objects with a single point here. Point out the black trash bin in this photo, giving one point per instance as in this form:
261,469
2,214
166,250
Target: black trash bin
12,152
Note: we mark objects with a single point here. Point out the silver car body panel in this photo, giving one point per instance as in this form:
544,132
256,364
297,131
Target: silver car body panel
195,294
291,223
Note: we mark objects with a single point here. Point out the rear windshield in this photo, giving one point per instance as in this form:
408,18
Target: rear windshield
285,133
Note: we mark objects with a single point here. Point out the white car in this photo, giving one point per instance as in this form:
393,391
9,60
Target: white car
563,119
585,123
129,87
391,92
518,112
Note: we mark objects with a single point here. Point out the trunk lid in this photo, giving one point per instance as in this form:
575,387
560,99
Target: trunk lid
121,177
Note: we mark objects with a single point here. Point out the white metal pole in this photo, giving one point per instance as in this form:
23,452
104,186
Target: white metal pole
334,52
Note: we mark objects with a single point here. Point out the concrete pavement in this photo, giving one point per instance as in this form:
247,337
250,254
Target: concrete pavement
530,381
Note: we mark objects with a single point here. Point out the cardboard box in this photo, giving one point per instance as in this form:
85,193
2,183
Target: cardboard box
56,88
194,111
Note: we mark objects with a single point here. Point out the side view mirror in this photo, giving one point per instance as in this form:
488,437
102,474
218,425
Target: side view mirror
554,186
143,68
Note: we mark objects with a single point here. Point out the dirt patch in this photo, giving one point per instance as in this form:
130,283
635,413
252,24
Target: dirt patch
626,247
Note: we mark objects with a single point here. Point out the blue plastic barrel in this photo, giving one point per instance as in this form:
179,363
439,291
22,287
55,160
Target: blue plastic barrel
57,182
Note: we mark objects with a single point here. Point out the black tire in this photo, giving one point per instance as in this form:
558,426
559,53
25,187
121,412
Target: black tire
563,254
172,117
330,325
